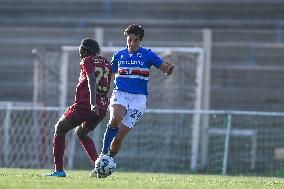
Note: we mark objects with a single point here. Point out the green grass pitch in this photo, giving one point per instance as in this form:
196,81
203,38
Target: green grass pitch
33,179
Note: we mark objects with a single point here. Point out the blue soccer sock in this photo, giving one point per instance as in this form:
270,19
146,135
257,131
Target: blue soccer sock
109,134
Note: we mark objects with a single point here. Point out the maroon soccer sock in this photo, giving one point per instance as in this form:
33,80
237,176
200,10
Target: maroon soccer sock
90,148
58,152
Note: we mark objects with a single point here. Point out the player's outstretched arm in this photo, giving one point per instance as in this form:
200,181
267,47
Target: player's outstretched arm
167,67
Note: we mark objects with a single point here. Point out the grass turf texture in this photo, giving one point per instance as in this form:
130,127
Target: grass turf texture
33,179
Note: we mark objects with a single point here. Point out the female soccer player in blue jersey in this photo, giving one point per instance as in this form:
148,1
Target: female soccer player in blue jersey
131,67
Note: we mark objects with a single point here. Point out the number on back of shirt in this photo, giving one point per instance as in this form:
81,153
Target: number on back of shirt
102,79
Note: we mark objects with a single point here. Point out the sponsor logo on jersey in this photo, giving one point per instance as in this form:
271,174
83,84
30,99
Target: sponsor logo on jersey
130,62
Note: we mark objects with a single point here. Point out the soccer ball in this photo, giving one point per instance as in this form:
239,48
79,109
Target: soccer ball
104,166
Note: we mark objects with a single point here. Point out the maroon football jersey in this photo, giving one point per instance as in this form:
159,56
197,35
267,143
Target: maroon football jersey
101,68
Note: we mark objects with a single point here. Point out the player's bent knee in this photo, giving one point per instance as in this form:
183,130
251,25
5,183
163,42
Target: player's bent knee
115,121
59,130
62,127
80,132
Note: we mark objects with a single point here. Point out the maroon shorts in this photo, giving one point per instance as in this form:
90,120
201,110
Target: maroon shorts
78,114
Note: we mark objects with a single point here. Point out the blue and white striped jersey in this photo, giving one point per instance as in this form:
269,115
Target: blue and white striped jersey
132,70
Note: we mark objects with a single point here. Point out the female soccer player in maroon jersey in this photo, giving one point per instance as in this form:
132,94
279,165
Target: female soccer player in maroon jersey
89,107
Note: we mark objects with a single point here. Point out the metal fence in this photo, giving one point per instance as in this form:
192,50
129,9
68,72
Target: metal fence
232,142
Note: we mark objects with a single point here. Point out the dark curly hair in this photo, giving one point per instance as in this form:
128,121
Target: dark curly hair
89,47
134,29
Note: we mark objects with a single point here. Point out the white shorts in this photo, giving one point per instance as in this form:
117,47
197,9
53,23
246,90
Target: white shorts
135,105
